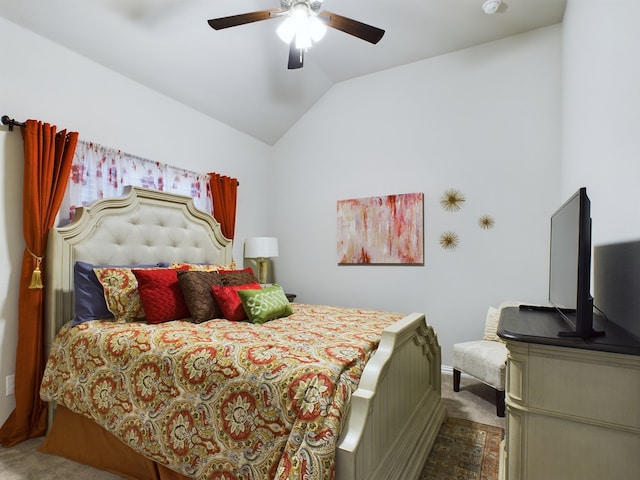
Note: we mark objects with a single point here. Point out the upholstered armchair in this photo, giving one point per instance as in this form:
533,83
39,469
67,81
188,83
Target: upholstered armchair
484,359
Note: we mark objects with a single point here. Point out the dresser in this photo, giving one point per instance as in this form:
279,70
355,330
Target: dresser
573,405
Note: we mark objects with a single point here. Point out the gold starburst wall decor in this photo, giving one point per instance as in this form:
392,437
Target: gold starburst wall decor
486,222
452,200
449,240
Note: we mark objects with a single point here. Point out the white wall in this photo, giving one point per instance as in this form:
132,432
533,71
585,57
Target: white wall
601,119
486,121
43,81
11,248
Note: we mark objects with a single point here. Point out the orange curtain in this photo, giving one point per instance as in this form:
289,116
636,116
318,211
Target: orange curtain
224,191
47,164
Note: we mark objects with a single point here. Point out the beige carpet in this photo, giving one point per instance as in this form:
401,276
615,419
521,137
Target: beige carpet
23,462
475,401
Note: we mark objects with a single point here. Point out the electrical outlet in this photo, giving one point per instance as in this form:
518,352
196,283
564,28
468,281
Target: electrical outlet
10,384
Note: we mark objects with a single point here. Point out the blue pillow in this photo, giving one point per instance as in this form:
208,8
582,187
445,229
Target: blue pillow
89,295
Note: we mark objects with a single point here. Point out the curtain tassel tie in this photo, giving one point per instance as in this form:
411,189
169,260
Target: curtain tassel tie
36,275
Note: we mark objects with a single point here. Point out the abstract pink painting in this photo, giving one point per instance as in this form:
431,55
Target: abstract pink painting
381,230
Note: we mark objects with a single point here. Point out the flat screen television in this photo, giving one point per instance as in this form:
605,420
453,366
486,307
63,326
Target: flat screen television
570,265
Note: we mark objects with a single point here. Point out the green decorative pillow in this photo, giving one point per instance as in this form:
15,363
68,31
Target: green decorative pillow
265,304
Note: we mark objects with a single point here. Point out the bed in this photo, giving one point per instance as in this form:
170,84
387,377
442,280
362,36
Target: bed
385,409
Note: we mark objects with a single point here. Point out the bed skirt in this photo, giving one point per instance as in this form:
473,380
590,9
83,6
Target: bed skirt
80,439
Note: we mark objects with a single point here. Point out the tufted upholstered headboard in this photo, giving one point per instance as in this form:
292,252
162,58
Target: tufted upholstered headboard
140,227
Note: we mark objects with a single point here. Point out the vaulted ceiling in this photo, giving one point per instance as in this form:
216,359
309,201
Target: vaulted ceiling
239,75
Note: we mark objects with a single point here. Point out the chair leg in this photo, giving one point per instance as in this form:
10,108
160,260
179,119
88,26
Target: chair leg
500,403
456,380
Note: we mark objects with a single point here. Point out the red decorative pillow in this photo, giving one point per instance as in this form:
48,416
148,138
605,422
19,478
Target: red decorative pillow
229,300
160,294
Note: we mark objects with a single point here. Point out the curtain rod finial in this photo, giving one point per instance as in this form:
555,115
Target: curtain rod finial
6,120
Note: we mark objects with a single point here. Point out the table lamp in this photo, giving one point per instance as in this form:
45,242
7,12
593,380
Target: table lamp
261,248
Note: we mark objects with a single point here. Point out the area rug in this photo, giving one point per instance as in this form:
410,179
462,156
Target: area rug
464,450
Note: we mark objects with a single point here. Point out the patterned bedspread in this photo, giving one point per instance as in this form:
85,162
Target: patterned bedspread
220,400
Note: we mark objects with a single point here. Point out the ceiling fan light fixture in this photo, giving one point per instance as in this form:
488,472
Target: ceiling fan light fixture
300,12
317,28
297,22
302,26
286,31
303,40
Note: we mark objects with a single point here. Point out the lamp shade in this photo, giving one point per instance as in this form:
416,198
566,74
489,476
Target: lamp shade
261,247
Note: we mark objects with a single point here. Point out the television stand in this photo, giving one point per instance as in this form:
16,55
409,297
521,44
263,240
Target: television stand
571,403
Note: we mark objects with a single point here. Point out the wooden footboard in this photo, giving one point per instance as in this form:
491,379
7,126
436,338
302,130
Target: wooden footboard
397,410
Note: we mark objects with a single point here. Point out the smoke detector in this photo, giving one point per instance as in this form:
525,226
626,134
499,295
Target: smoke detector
491,6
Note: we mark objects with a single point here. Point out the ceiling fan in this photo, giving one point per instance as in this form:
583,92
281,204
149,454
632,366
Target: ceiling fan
303,25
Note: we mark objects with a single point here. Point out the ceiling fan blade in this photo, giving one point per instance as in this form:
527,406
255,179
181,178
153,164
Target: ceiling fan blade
296,56
352,27
243,18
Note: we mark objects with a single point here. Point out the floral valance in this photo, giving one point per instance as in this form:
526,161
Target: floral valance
101,172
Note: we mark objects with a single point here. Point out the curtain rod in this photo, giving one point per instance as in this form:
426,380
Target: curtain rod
6,120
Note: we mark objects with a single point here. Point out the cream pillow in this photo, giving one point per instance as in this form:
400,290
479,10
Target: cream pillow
493,319
491,325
